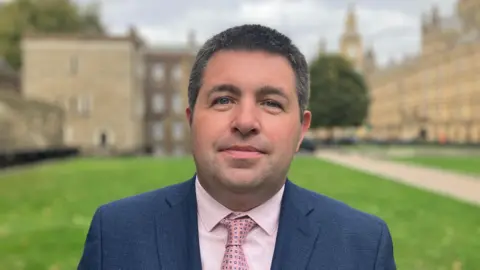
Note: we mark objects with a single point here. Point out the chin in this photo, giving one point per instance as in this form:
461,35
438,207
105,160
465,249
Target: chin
241,179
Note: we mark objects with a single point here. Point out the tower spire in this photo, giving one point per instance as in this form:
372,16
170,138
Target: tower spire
351,42
351,20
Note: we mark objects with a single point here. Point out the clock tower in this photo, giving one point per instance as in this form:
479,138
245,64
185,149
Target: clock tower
351,46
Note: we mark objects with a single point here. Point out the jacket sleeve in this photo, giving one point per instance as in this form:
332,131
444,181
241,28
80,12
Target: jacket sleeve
92,252
385,254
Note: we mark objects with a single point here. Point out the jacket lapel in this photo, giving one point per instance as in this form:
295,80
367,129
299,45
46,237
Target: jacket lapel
297,234
177,230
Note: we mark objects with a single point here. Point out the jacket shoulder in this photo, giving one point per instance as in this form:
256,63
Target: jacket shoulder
343,216
146,202
363,238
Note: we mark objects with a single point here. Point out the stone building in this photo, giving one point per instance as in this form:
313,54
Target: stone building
26,125
434,95
98,82
120,95
166,83
29,125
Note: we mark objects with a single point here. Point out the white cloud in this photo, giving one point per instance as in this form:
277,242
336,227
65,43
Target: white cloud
391,26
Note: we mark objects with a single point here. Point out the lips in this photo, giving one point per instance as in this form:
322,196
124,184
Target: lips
243,152
246,148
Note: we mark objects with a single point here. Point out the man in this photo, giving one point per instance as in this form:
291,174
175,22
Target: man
248,93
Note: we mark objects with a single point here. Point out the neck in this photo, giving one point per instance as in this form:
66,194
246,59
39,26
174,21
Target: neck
241,201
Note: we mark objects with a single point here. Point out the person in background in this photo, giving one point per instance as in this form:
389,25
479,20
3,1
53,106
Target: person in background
248,96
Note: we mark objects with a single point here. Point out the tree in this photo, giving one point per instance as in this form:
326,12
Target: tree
339,95
42,16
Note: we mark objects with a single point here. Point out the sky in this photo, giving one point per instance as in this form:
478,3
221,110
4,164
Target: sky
391,27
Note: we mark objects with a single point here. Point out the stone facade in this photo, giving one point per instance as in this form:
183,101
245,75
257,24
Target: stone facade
28,125
25,125
166,85
434,95
97,80
119,95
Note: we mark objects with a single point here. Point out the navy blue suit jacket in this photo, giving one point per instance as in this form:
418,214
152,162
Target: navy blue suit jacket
158,231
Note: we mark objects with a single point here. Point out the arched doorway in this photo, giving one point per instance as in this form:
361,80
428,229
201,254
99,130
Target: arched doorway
103,139
423,134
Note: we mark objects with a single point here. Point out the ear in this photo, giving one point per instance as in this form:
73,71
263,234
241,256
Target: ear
307,119
189,115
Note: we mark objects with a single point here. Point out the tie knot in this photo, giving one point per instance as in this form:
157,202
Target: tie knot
238,228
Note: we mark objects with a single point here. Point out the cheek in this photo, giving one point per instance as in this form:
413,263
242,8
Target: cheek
283,134
205,130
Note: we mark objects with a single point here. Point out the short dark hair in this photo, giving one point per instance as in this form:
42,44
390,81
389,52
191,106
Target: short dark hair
252,37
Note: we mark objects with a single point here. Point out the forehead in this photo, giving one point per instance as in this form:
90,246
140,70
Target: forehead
249,70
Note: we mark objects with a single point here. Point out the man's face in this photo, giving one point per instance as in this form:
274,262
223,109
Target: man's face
245,125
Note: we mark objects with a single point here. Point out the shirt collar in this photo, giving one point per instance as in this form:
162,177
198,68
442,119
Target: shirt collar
212,212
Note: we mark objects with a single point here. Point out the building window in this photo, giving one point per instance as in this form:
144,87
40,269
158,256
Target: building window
158,150
177,103
84,105
158,103
177,72
178,150
157,130
177,130
158,72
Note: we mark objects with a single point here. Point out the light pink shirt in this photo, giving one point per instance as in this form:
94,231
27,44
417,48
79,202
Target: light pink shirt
260,242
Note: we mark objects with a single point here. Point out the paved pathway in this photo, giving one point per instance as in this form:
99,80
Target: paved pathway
461,187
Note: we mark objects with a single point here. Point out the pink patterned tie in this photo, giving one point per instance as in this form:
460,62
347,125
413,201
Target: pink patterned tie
238,228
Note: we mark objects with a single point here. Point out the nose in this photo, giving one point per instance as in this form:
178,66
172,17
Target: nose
246,122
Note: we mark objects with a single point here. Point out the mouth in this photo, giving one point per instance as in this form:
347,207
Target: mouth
243,152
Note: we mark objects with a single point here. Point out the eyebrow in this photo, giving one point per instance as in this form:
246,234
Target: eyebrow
234,90
224,88
270,90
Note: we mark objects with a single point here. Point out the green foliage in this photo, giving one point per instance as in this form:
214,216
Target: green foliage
42,16
339,95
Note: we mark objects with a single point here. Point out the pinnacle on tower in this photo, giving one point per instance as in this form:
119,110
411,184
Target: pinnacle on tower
351,22
351,41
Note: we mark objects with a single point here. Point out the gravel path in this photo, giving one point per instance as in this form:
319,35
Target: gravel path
462,187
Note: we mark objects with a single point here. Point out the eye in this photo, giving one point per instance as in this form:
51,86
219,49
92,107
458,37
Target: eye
272,103
222,100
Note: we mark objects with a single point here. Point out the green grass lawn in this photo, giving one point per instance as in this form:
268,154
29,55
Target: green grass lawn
462,164
45,211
